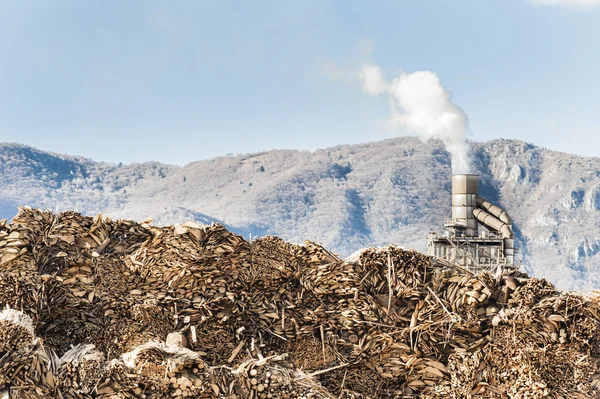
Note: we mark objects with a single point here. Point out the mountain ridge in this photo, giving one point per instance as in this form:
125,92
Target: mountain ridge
346,196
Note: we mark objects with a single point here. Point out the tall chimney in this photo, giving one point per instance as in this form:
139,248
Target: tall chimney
464,202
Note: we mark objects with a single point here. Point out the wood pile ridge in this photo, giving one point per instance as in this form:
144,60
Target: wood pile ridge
97,308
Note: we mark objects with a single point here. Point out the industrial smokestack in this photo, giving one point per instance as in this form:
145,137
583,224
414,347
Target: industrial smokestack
469,210
462,243
464,201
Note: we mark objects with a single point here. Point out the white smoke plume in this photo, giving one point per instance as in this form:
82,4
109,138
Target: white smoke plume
420,104
373,82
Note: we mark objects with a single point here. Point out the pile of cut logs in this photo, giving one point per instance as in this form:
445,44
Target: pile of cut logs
96,308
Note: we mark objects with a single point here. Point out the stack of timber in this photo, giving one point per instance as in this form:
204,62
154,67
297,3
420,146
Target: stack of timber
96,308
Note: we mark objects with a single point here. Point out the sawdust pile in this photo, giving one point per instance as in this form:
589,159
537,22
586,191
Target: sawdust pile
96,308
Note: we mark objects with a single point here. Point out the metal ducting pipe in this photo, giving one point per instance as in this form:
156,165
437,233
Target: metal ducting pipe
492,222
493,210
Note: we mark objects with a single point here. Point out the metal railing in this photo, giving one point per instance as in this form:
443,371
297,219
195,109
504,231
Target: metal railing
470,256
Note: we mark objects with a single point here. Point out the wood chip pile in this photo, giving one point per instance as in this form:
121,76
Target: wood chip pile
96,308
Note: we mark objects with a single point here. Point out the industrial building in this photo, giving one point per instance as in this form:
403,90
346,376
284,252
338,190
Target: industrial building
479,236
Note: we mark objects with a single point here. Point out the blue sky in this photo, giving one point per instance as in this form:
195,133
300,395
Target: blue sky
180,81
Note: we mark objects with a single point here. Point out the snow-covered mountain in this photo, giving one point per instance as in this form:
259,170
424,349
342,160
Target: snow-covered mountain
346,197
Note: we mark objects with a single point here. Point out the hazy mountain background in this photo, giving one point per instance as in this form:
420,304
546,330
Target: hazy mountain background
346,197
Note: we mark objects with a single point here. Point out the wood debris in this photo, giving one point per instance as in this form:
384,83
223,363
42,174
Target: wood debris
96,308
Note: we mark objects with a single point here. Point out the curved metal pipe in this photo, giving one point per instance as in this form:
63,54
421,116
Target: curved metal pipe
494,210
492,222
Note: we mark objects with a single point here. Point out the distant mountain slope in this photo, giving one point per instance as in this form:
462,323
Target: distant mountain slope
347,197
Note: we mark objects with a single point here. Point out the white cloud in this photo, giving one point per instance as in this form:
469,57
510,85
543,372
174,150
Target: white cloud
365,48
572,3
334,71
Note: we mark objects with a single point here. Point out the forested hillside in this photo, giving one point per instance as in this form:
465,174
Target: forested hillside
346,197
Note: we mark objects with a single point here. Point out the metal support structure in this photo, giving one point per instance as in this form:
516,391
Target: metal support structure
463,243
